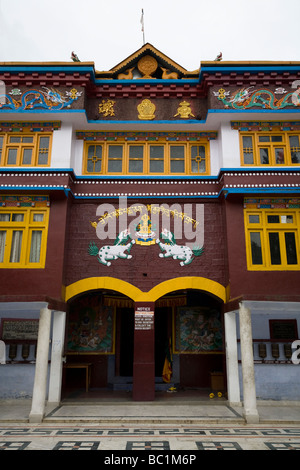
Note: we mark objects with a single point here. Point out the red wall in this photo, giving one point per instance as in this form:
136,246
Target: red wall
146,269
283,285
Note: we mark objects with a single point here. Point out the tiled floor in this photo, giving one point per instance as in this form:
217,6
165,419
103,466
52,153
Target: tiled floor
190,439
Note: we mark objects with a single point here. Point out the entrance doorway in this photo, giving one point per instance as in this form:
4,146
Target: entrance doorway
162,335
126,341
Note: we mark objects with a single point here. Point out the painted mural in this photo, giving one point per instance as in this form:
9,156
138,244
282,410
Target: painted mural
198,330
145,235
246,98
91,327
50,99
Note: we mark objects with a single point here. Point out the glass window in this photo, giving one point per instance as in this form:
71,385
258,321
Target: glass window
274,244
177,156
2,244
94,159
12,156
254,219
29,150
43,152
23,237
198,164
264,156
274,248
248,154
294,148
27,156
115,158
256,251
156,159
136,159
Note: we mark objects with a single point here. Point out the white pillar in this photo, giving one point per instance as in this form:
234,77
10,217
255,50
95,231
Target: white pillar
41,368
233,383
56,368
249,391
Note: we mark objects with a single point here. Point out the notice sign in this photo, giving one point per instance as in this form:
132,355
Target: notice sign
143,319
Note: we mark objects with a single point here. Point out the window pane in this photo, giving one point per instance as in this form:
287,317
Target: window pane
94,158
274,248
256,251
279,156
264,138
27,154
17,217
4,217
12,157
115,155
35,248
273,219
38,217
177,158
27,140
16,244
295,148
14,140
136,155
198,159
276,138
290,245
254,219
2,244
156,159
264,156
43,151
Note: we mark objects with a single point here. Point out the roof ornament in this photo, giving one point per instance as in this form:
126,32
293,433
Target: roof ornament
219,57
74,57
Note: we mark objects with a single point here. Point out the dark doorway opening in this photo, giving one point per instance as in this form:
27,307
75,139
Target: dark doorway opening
126,342
161,323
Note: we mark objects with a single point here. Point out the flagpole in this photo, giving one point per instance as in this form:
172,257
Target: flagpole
143,29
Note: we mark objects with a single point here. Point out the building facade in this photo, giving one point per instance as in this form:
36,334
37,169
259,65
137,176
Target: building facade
146,211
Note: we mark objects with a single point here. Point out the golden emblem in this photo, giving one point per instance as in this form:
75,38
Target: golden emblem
146,110
184,110
147,65
107,108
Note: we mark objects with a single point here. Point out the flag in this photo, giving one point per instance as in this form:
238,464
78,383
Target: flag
167,369
142,20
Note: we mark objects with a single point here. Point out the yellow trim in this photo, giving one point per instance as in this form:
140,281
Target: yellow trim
263,227
21,146
146,159
171,285
269,146
27,226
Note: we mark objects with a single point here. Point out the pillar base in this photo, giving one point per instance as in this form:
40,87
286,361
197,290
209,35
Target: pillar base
36,418
251,418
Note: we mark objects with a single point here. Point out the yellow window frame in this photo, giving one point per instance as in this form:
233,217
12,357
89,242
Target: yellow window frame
275,157
20,147
27,227
167,160
261,228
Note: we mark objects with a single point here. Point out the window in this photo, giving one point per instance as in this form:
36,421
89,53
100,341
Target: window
23,237
272,239
25,149
159,158
273,149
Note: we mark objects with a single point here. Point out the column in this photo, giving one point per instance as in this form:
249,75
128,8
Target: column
233,384
56,368
41,368
143,361
249,391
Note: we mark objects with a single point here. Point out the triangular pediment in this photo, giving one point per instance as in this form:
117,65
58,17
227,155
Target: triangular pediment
147,63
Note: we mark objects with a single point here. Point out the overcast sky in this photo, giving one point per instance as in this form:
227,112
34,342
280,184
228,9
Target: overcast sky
188,31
